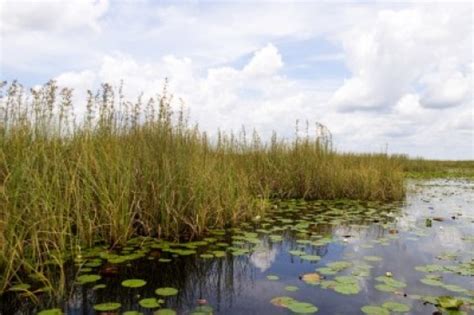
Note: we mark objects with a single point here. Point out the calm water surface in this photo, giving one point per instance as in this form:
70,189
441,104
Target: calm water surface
434,226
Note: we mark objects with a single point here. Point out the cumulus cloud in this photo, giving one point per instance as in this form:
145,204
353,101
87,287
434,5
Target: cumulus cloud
51,15
406,77
402,49
446,89
256,94
266,61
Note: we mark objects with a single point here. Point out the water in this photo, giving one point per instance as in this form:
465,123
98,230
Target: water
397,235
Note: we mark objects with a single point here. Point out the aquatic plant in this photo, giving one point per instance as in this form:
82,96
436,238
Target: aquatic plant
118,169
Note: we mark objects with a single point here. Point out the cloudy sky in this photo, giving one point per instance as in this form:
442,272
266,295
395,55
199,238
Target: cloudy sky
396,75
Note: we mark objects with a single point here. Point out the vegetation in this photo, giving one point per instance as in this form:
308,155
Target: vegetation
420,168
136,168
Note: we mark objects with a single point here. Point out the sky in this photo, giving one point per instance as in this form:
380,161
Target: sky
388,76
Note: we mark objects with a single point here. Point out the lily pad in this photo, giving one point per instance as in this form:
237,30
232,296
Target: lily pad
150,302
454,288
282,301
273,277
347,288
339,265
133,283
374,310
108,306
165,311
396,307
99,286
310,257
167,291
291,288
206,256
302,308
84,279
385,288
449,302
391,282
432,282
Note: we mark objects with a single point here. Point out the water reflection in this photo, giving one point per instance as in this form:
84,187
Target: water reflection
263,256
237,284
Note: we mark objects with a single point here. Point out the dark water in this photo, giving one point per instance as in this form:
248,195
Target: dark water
396,234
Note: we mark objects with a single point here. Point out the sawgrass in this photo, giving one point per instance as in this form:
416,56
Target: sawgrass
126,168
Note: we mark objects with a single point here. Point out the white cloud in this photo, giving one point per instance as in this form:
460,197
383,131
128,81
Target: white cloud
51,15
409,106
410,65
402,49
446,89
256,95
265,62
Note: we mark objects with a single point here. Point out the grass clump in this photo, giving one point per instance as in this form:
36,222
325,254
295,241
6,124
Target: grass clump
123,168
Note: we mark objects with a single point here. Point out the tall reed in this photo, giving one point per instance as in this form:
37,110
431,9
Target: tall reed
137,168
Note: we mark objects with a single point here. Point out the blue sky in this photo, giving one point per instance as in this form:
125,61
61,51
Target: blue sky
378,74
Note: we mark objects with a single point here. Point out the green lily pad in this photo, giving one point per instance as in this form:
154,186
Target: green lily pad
327,271
385,288
84,279
449,302
454,288
133,283
346,279
167,291
396,307
432,282
347,288
429,268
106,307
429,299
219,253
374,310
282,301
99,286
165,311
339,265
206,256
291,288
391,282
310,257
302,308
273,277
150,302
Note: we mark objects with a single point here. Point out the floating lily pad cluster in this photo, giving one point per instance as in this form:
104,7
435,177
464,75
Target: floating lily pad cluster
297,223
389,284
346,285
294,305
386,308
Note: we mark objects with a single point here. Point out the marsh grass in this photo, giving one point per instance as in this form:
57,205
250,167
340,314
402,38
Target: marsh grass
426,169
126,168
